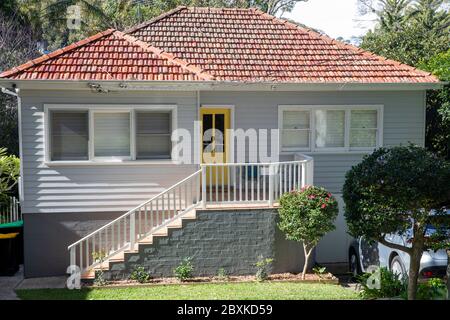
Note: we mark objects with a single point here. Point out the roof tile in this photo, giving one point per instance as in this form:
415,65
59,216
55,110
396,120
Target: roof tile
217,44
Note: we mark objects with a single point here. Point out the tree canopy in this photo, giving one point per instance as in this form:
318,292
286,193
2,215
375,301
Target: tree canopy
417,33
393,191
48,18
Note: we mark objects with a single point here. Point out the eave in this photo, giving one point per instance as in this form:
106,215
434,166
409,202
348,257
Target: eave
134,85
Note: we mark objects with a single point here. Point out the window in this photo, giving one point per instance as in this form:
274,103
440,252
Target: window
330,128
69,135
100,133
112,135
153,130
364,128
296,130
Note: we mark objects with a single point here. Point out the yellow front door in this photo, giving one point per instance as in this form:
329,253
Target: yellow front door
215,123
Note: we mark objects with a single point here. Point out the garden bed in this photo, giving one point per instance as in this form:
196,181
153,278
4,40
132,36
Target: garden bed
327,278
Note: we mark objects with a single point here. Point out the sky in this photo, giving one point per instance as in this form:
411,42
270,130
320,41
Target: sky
337,18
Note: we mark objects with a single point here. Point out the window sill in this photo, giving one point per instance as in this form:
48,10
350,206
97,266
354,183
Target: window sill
111,163
288,153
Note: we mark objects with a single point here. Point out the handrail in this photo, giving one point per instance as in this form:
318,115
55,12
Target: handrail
129,212
231,164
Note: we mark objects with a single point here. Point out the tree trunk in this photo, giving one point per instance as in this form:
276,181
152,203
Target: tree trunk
414,264
307,255
448,274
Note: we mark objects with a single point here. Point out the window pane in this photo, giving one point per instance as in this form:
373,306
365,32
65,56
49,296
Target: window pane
360,138
152,122
330,128
112,134
153,133
295,139
364,119
295,133
69,135
296,120
153,147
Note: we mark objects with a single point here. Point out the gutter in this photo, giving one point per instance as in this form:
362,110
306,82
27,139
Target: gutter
112,86
9,92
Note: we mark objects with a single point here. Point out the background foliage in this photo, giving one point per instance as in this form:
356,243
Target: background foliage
417,33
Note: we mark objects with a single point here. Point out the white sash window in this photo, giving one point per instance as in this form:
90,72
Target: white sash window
97,133
330,128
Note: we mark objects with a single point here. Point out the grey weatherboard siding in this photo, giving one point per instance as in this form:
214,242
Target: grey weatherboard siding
119,187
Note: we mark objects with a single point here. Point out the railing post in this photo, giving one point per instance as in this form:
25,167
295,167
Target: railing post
72,256
203,186
310,172
271,184
132,230
304,164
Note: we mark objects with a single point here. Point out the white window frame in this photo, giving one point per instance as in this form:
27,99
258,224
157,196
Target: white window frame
312,127
110,108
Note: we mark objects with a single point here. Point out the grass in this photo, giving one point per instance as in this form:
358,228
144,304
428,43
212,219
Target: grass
228,291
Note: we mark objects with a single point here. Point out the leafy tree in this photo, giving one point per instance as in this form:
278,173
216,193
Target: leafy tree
307,215
438,106
391,13
17,45
392,190
420,39
49,17
9,174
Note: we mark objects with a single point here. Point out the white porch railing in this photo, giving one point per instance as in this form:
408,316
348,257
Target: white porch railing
213,184
10,212
254,182
122,233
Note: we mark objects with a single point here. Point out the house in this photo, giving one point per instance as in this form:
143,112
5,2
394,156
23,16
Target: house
175,138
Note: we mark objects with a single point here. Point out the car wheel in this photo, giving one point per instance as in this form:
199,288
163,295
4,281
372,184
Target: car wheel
354,266
397,267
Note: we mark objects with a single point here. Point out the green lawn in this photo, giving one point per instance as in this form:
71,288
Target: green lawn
241,291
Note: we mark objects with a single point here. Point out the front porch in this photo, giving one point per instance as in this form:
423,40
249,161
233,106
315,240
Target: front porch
225,186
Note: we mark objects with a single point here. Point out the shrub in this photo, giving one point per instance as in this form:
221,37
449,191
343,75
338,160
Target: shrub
390,285
99,278
261,268
222,274
392,189
184,271
320,272
140,275
433,289
307,215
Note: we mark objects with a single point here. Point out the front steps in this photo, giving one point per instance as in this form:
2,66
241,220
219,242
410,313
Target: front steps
232,239
117,262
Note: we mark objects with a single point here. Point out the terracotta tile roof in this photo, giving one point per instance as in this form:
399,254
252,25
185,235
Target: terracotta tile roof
218,44
109,55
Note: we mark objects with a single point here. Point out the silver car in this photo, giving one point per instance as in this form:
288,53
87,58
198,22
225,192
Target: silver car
363,254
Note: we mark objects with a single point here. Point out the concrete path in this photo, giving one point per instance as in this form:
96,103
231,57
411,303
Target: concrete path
43,283
8,284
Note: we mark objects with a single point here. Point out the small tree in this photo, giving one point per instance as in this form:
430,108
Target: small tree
392,190
306,216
